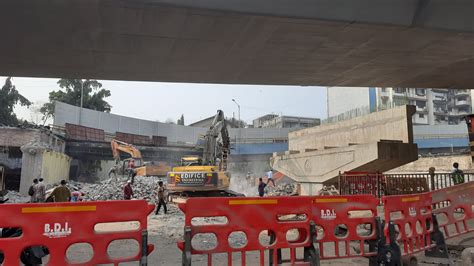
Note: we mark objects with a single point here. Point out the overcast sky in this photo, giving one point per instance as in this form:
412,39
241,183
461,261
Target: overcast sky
161,101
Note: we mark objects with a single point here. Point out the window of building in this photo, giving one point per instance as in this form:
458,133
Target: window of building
421,115
400,90
384,90
420,92
420,104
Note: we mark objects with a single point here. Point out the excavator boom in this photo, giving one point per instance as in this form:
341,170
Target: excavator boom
118,146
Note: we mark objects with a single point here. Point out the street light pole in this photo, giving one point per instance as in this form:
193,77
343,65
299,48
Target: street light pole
82,100
238,106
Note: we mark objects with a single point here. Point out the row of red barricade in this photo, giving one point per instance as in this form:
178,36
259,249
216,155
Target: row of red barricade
325,227
46,232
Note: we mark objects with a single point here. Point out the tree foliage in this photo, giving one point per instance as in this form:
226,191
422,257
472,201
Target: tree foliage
70,93
181,120
9,97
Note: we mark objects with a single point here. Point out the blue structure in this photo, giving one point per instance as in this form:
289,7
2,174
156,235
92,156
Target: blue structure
442,143
257,148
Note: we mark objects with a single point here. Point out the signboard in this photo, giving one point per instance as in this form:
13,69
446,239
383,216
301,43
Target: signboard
194,178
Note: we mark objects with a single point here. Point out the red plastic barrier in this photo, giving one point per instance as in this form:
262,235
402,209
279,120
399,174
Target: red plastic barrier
343,218
453,208
252,216
59,225
411,214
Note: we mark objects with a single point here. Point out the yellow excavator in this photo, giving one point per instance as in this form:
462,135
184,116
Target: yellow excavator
141,168
206,175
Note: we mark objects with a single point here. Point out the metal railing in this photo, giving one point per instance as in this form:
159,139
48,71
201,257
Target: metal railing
379,185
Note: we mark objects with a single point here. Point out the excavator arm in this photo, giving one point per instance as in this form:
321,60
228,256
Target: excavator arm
217,142
118,146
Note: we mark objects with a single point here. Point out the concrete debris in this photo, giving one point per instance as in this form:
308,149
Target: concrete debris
328,191
112,188
285,189
16,197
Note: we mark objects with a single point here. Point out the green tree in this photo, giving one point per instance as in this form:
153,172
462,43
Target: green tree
70,93
9,97
181,120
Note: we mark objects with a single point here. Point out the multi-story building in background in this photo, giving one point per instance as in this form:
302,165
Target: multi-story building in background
438,122
433,106
285,121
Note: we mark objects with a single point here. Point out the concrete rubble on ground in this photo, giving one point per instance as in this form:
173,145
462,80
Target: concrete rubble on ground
112,188
285,189
16,197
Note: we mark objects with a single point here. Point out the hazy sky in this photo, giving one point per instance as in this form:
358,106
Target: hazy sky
161,101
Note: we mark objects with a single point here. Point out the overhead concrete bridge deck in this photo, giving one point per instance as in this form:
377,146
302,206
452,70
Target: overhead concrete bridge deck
406,43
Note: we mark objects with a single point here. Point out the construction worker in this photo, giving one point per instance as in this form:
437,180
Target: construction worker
61,193
261,187
457,174
131,164
76,196
131,170
113,170
32,191
270,177
41,191
128,191
161,198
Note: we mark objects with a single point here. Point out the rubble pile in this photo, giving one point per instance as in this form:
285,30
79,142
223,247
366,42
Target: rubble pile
16,197
112,188
284,189
328,191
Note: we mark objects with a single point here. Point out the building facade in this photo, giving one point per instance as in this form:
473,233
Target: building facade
285,121
433,106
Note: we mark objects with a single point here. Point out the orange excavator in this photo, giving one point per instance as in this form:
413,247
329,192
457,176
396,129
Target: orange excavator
141,168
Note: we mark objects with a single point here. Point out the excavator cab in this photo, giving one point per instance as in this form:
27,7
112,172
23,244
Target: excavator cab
191,161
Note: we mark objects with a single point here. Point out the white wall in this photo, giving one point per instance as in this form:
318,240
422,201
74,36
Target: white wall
343,99
110,123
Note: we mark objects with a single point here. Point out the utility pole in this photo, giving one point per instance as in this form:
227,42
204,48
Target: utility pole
238,106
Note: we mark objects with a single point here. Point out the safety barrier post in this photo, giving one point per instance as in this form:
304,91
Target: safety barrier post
187,247
144,259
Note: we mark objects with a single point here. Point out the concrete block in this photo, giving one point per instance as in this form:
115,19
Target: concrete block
393,125
323,165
